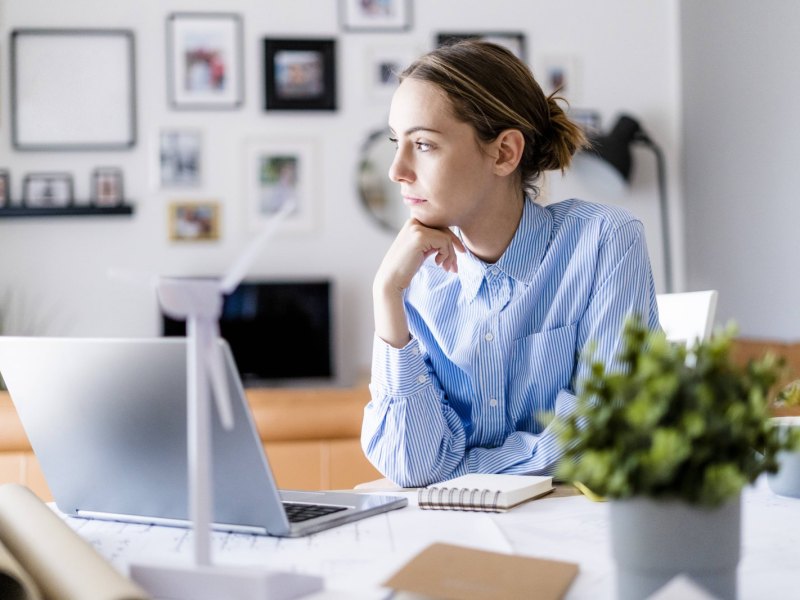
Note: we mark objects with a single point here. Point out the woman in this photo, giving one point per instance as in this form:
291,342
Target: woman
478,331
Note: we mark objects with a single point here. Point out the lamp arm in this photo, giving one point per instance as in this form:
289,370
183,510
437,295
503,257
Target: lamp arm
661,170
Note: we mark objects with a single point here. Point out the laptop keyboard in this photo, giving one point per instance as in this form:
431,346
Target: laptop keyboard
297,512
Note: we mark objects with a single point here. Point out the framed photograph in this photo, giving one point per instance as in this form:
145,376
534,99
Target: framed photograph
47,190
375,15
204,61
180,157
559,72
72,89
513,41
107,188
194,221
5,188
299,74
280,172
383,66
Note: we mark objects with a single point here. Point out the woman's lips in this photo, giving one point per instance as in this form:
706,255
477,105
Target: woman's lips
412,201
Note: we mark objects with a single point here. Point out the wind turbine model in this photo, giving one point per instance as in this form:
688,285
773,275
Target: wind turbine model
199,301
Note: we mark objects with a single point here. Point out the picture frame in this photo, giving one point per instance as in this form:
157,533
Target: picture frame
194,220
90,106
375,15
383,64
107,186
277,172
47,190
5,188
299,74
180,157
205,61
560,72
512,40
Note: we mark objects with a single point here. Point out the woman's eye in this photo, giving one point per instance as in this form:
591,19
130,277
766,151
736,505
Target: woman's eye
423,146
394,141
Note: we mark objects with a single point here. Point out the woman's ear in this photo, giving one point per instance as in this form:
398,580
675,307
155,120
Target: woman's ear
509,146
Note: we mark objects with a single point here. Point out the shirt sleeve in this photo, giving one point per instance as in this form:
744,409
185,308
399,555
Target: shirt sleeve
409,431
624,286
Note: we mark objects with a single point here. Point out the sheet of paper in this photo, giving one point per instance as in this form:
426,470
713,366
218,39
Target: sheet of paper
358,555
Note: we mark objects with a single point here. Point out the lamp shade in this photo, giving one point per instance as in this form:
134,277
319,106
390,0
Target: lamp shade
614,148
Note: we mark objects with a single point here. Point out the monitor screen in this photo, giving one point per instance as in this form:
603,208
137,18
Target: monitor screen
277,330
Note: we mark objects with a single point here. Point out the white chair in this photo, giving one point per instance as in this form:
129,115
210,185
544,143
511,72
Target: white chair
687,316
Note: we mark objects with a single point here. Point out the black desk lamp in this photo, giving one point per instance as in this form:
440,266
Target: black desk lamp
614,149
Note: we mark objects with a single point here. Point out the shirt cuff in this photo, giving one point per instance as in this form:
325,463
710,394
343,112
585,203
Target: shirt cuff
399,371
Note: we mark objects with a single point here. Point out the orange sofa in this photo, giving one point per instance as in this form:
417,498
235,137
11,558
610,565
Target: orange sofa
311,437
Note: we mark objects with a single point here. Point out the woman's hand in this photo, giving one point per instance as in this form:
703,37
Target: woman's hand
411,247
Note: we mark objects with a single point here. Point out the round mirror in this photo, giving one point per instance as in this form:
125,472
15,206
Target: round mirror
379,195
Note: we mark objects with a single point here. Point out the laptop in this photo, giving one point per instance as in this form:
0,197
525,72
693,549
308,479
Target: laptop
107,420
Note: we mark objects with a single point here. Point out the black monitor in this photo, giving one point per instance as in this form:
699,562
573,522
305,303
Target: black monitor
277,330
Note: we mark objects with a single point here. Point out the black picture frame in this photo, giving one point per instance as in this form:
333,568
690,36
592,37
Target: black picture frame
205,61
107,186
513,40
5,187
47,190
375,15
299,74
89,107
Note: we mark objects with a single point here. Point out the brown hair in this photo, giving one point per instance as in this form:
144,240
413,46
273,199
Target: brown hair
493,90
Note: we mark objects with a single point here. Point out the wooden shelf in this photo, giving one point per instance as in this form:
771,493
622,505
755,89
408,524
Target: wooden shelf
66,211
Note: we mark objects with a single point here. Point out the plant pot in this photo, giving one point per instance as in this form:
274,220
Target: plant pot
653,541
786,482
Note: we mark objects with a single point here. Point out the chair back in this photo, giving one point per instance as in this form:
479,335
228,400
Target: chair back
687,316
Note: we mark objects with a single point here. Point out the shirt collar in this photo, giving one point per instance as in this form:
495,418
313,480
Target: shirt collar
522,257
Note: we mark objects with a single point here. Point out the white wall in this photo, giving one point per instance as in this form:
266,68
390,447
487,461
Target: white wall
742,142
627,57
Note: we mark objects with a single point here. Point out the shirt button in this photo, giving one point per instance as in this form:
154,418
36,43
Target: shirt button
422,378
488,337
415,351
493,402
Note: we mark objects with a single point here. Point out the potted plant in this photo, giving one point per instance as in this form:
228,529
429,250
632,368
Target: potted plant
786,417
670,436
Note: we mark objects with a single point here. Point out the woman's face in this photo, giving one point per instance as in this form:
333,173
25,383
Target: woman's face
444,174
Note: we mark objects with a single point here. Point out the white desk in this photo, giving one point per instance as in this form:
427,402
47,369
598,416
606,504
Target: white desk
356,558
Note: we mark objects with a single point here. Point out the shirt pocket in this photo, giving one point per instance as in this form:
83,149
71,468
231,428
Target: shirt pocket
541,365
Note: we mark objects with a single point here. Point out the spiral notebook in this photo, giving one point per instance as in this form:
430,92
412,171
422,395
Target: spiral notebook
484,492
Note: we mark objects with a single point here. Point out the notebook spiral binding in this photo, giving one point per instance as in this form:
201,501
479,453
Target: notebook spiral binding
444,498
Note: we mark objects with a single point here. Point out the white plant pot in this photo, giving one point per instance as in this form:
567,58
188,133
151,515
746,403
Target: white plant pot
653,541
786,482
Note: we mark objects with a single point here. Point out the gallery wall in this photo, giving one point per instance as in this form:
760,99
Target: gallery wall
54,271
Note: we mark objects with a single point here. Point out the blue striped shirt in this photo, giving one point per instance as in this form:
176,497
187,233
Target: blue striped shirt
495,347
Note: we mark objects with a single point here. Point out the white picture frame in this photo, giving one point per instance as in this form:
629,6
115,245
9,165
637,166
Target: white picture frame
280,171
180,157
382,66
205,61
375,15
560,71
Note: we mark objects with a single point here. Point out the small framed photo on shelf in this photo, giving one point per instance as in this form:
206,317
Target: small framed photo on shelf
205,64
375,15
5,188
180,157
513,41
194,221
299,74
47,190
107,188
277,173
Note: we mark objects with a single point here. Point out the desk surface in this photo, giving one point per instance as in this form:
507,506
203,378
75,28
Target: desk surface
356,558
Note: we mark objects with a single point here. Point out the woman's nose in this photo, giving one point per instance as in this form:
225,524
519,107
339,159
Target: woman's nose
400,170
